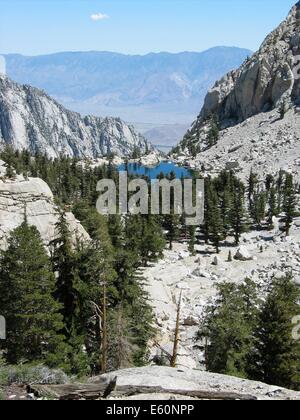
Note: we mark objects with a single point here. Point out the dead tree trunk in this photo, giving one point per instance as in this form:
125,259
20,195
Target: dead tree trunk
104,332
177,333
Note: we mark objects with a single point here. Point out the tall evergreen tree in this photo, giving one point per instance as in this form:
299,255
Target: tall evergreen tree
213,134
26,300
192,240
238,215
273,206
152,240
289,204
64,264
252,189
258,209
172,225
278,354
228,329
216,229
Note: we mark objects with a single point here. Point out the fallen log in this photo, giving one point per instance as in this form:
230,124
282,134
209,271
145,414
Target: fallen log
69,391
103,391
129,390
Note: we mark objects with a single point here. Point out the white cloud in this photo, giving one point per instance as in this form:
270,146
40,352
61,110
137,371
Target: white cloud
99,16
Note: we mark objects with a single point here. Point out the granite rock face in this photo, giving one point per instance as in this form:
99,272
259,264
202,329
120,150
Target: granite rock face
264,80
30,119
257,107
34,195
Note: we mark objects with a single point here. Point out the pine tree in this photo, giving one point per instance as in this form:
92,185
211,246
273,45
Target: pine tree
258,209
213,134
121,347
172,225
94,288
10,173
215,222
192,240
289,204
273,206
64,264
269,182
252,187
207,209
172,221
176,334
238,216
152,241
228,327
131,295
26,300
115,229
278,354
225,206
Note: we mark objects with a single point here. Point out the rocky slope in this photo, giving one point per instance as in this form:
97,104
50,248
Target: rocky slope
197,278
34,195
257,107
29,119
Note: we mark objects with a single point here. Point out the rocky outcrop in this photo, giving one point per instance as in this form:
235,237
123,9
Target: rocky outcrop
30,119
34,195
163,383
242,254
262,82
257,106
168,383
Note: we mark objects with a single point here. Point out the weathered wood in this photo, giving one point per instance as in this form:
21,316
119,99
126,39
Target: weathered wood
101,391
176,335
127,391
69,391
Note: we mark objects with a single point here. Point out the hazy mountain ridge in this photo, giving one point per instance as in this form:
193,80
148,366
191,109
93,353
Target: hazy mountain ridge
138,88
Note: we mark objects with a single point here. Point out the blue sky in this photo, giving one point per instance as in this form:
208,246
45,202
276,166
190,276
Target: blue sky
135,26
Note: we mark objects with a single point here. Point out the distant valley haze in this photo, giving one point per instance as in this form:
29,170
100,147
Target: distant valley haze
159,93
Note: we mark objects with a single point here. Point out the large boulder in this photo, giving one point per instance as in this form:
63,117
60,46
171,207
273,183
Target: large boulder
243,254
34,196
155,381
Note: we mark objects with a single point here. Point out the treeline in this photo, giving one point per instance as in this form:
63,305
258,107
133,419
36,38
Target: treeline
231,206
250,337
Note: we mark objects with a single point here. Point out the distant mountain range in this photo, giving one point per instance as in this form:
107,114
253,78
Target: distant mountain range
162,89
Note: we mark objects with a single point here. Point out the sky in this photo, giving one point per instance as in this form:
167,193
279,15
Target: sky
34,27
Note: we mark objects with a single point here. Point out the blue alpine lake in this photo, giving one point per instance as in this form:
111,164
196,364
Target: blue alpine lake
165,168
